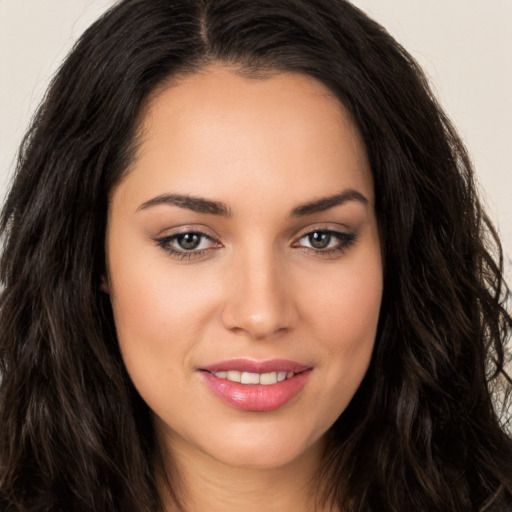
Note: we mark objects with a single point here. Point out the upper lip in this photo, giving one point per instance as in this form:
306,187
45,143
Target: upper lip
253,366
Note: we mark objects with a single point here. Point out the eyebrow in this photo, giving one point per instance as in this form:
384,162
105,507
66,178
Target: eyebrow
326,203
196,204
201,205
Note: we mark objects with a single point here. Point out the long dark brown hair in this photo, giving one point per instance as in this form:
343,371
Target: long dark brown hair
423,432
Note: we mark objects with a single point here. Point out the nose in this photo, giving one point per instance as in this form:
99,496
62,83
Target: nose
260,301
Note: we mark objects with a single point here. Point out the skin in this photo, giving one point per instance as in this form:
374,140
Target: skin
255,288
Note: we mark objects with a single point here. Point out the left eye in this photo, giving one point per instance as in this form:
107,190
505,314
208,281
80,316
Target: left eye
319,239
324,240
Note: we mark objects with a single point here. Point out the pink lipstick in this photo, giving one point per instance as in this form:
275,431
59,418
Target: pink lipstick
256,386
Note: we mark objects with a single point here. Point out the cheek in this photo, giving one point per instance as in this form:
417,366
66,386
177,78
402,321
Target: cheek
346,312
352,312
150,294
158,310
345,306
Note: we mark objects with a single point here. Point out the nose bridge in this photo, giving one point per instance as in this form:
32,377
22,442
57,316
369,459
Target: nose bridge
260,302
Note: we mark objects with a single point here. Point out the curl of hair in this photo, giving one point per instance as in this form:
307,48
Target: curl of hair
422,432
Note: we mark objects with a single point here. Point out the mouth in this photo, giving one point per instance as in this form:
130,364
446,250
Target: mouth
256,386
265,379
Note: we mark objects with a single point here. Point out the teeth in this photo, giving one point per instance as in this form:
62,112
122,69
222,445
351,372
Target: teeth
268,378
250,378
265,379
233,376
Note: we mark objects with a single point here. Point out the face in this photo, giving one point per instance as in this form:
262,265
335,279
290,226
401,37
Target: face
243,246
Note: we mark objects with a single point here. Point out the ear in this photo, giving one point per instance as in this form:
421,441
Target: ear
104,284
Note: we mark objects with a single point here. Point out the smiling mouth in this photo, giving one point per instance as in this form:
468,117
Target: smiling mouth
256,386
250,378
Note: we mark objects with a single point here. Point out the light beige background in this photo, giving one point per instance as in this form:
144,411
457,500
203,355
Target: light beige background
464,45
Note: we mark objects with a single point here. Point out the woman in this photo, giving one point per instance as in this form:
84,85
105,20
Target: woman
246,267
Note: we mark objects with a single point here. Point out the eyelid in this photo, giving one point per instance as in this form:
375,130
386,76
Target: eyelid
165,241
346,237
186,228
324,226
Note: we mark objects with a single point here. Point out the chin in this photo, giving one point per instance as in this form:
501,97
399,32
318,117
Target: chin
269,451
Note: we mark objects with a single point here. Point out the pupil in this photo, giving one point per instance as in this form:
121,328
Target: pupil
189,241
319,240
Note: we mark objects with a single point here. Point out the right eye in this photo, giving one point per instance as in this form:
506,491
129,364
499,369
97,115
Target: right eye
187,244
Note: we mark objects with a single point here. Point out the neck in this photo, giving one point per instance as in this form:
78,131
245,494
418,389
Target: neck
208,484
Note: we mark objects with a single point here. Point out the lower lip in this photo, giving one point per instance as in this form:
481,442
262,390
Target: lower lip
256,397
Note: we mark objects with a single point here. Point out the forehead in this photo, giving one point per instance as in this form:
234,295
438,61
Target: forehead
219,127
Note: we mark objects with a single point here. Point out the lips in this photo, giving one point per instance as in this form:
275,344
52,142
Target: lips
256,386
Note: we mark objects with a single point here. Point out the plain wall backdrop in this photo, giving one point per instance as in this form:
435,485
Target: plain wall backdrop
465,46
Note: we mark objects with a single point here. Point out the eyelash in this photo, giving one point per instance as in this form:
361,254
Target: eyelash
182,254
345,241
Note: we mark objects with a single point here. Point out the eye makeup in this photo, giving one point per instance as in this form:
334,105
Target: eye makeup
187,244
326,242
194,243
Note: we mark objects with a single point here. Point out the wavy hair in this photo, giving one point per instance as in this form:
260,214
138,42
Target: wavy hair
422,433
